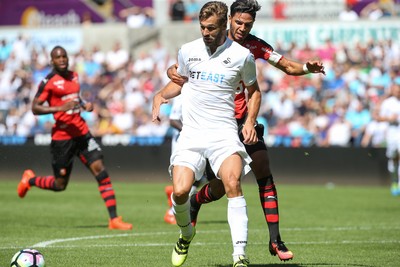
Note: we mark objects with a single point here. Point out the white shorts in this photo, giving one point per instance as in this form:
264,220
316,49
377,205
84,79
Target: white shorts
192,150
392,143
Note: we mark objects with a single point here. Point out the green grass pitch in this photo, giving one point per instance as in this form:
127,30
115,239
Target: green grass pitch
323,226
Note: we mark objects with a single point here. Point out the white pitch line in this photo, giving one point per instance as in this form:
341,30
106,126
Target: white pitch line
54,241
363,228
221,244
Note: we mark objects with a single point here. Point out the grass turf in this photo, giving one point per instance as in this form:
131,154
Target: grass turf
323,226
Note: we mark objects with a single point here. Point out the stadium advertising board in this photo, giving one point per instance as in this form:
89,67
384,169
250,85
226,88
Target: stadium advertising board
70,38
315,34
45,13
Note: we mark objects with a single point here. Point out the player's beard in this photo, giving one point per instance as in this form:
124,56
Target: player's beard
214,42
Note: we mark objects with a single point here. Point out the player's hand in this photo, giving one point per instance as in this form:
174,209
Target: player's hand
174,76
158,100
249,134
316,67
69,106
88,106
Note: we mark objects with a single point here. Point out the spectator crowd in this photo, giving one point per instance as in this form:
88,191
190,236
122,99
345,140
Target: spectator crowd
336,109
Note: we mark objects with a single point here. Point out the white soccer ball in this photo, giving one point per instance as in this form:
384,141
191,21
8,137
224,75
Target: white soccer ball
27,258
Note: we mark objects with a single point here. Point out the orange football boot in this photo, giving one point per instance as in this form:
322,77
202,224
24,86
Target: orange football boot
24,186
117,224
169,217
279,248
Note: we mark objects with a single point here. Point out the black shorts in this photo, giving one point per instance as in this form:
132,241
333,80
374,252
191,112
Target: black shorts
260,145
64,151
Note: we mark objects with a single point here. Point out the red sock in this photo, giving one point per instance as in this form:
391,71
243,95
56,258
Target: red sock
44,182
108,195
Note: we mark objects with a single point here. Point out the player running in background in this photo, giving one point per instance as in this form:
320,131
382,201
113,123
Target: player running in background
241,20
214,65
58,94
390,112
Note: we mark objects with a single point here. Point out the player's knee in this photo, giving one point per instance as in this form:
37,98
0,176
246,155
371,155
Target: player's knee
232,187
60,185
102,176
180,193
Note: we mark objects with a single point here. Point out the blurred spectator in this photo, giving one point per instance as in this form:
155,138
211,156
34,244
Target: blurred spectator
86,19
178,11
358,117
379,9
117,58
339,133
192,10
137,17
348,14
98,55
299,111
279,10
5,50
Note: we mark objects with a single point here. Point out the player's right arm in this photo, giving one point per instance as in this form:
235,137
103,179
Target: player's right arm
161,97
38,107
173,75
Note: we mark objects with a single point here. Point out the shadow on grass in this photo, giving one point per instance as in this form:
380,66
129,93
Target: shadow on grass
300,265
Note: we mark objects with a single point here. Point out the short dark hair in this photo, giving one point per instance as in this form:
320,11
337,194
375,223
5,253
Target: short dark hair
214,8
55,48
245,6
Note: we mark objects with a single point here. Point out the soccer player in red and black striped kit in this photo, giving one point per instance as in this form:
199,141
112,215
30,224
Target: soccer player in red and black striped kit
70,137
241,20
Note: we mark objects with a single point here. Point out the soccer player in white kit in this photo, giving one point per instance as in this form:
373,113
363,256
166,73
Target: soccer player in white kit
390,112
175,121
214,66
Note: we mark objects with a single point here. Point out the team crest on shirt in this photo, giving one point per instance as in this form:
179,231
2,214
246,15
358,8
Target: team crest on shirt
59,84
227,61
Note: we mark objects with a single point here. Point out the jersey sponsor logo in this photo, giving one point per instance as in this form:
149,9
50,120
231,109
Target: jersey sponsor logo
73,96
207,76
59,84
194,59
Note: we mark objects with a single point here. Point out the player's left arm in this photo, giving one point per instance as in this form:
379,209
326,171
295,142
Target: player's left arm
294,68
253,107
161,97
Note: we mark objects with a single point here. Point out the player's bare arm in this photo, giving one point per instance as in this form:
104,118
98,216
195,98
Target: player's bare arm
161,97
294,68
38,107
253,105
174,76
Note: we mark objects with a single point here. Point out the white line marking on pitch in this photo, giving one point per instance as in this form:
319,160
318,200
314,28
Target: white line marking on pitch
364,228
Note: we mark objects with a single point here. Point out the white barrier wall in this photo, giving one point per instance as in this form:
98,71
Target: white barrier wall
173,35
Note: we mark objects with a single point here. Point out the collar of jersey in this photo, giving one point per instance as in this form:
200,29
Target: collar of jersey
220,48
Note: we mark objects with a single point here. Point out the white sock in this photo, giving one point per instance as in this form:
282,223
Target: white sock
237,219
182,216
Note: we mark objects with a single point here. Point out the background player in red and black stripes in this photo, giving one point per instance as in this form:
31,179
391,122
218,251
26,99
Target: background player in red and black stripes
58,94
241,20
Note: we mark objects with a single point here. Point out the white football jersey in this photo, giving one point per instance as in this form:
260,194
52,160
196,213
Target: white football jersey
208,96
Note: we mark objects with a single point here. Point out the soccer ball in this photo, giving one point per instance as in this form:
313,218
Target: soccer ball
27,258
